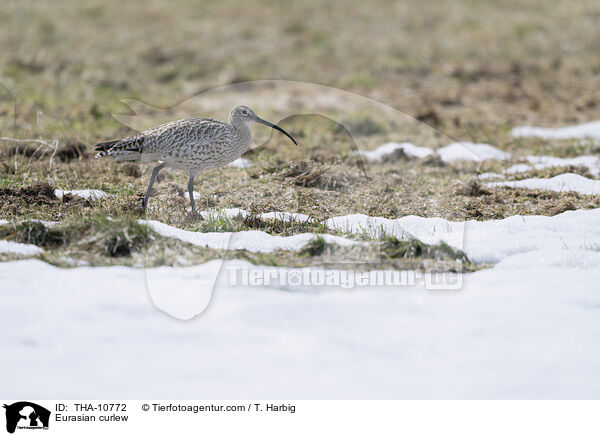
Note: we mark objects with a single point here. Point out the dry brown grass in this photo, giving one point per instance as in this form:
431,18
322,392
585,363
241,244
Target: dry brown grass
468,69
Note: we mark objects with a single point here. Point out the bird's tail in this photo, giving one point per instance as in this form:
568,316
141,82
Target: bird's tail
125,149
104,147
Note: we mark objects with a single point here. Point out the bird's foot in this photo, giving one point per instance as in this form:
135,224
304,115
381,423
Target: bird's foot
139,207
194,216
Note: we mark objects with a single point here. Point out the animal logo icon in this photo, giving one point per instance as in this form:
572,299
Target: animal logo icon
26,415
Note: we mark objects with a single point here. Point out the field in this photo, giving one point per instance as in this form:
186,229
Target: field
450,78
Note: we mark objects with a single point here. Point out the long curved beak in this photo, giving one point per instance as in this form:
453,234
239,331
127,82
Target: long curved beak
266,123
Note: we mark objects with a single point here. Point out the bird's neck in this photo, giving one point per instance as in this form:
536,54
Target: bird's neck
243,132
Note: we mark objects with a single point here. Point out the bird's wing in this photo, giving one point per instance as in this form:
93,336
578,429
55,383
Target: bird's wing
166,137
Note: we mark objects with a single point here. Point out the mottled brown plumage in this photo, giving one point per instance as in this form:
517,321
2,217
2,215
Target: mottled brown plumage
192,144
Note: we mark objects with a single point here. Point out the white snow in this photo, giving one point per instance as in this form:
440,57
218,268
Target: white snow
19,248
46,223
390,147
561,183
483,241
186,195
428,230
580,131
590,162
559,257
230,213
455,151
236,212
527,328
488,176
251,240
88,194
497,240
487,241
512,333
518,168
479,152
286,216
471,152
240,163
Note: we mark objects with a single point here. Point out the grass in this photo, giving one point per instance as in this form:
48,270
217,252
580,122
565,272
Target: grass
474,65
36,233
471,72
102,240
393,248
99,234
362,124
218,222
316,247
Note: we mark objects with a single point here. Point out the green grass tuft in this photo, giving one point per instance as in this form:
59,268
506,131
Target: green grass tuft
392,248
316,247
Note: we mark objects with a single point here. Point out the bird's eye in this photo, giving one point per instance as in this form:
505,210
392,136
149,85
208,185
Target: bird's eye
244,112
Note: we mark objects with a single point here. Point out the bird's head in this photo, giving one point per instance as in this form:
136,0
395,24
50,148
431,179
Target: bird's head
247,115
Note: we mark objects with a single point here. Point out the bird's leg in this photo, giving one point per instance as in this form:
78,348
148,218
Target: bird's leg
152,178
191,190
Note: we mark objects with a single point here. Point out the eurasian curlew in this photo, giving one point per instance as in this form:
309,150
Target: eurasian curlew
192,144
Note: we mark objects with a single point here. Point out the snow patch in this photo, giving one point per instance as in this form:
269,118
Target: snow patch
517,169
390,147
587,130
236,212
19,248
456,151
427,230
561,183
286,216
559,257
88,194
233,212
251,240
488,176
486,241
592,163
186,195
486,341
471,152
482,241
240,163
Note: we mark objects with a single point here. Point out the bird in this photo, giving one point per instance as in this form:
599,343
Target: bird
191,144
